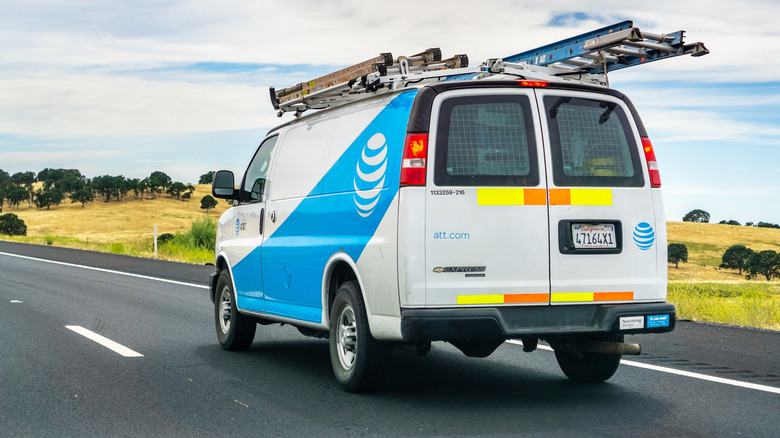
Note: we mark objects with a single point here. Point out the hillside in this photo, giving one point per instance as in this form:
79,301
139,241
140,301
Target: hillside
130,220
706,244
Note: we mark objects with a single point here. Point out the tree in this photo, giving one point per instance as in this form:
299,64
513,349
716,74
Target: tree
82,195
176,189
206,178
23,178
207,203
105,186
697,216
48,197
11,225
677,252
159,181
767,225
735,257
731,222
766,263
16,195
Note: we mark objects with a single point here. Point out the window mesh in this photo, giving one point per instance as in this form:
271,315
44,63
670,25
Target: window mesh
593,142
487,139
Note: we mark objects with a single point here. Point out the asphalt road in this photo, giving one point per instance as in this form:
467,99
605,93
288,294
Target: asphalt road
175,380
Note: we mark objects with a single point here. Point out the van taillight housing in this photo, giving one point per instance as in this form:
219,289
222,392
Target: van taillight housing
652,164
414,159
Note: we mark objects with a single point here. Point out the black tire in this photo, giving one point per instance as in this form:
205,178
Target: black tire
359,361
589,367
235,331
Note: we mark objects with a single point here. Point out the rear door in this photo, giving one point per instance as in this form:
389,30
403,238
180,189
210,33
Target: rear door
486,222
603,242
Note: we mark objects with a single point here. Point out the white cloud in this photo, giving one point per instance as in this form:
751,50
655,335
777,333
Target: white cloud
107,83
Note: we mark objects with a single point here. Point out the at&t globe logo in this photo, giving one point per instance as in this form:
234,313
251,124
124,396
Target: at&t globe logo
644,236
370,175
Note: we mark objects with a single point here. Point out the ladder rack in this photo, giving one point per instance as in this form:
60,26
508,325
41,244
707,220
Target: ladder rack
609,48
586,58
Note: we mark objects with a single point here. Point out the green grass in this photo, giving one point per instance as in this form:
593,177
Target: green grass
738,304
195,245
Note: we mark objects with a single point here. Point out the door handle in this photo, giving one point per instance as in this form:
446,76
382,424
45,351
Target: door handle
262,218
273,216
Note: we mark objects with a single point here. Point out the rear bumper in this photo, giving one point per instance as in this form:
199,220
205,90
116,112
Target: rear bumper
423,325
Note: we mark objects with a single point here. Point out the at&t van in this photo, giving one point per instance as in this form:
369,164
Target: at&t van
429,201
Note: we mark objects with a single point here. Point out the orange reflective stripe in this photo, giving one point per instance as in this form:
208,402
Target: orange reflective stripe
560,197
613,296
535,197
526,298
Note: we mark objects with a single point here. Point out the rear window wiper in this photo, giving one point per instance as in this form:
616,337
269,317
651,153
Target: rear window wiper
605,115
557,104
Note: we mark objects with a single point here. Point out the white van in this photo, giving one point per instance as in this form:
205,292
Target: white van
465,211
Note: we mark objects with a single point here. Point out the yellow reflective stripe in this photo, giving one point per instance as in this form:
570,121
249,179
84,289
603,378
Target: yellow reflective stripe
480,299
569,297
591,196
511,196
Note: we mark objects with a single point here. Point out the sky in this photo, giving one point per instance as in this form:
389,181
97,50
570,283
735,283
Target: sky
113,87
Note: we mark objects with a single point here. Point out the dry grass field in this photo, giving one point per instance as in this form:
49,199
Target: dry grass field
706,244
103,225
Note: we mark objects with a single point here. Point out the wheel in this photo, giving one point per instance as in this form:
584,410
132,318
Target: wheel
234,331
359,361
589,367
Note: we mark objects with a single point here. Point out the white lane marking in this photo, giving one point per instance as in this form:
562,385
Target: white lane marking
106,270
108,343
632,363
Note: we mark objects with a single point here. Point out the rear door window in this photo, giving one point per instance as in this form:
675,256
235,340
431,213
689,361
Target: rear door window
592,144
486,141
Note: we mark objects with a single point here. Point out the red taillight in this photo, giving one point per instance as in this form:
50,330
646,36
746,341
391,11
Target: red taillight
413,163
652,164
524,83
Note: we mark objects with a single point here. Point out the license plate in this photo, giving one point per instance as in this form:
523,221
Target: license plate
593,236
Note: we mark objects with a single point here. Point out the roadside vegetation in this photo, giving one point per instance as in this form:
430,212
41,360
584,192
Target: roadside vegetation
720,282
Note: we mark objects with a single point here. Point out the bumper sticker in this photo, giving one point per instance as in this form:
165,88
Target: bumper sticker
632,322
657,321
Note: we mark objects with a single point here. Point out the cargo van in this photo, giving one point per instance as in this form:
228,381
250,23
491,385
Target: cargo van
467,210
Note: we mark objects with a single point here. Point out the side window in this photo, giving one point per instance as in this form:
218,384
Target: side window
486,140
253,188
591,143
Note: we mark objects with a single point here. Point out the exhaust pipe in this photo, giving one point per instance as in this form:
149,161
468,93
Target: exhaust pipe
602,347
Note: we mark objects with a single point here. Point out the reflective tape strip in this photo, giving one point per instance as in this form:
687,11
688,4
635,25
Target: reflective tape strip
511,196
578,297
503,299
526,298
519,196
480,299
580,197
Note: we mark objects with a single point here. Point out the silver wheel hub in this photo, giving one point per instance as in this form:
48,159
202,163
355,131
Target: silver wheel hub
346,338
225,308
